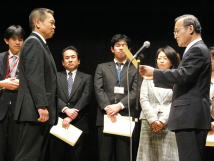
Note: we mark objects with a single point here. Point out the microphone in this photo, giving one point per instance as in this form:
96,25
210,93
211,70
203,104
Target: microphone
146,45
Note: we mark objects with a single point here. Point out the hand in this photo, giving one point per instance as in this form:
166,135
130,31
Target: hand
113,117
112,109
66,122
43,114
10,83
212,126
71,112
146,72
157,126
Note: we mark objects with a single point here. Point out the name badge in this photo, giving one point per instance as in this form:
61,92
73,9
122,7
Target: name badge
118,90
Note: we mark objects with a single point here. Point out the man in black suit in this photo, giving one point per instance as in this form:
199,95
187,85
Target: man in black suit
36,101
110,84
74,93
9,83
190,112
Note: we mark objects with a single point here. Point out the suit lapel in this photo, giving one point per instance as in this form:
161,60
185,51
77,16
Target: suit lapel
113,69
64,84
160,93
5,64
76,83
48,52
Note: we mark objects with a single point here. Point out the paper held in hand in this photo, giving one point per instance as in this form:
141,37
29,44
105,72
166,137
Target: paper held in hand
69,135
123,125
210,139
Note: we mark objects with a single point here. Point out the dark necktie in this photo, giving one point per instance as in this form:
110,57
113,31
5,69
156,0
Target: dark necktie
70,82
119,65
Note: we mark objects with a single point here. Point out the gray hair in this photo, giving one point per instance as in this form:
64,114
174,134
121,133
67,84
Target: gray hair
188,20
38,13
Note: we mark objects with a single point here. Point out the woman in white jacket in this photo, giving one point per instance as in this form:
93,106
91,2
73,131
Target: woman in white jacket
156,142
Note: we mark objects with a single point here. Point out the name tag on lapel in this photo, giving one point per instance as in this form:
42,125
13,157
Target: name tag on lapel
118,90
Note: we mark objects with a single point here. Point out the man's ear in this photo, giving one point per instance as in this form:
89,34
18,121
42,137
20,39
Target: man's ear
191,29
37,23
6,41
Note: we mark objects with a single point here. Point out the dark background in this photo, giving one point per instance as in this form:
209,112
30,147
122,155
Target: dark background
89,26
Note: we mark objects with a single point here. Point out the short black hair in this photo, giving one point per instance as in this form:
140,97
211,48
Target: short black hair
13,31
171,54
71,47
119,37
188,20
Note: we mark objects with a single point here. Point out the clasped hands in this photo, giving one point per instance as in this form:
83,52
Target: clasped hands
10,83
112,110
71,113
157,126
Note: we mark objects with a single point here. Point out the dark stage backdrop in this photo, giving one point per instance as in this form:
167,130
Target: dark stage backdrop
89,26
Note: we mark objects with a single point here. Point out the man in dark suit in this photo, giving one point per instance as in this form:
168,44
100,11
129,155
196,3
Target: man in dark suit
74,93
190,112
110,84
36,101
9,83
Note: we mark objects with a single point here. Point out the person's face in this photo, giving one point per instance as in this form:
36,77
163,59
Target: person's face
15,43
212,58
182,33
163,62
70,60
118,52
47,27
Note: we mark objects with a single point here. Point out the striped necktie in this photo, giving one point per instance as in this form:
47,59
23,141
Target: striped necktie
70,83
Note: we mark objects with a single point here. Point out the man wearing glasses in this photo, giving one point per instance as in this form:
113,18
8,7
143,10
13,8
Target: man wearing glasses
190,112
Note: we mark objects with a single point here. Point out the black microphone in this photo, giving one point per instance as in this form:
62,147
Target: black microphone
146,45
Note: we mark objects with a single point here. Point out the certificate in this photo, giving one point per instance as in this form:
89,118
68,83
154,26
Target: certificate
123,125
69,135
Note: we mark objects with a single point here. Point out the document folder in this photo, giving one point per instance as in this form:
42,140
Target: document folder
123,125
69,135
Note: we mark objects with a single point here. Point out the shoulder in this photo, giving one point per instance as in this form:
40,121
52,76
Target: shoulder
200,47
3,54
85,75
104,65
60,73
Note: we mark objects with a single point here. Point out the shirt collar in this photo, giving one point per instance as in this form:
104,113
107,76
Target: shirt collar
191,44
73,72
11,54
124,62
43,39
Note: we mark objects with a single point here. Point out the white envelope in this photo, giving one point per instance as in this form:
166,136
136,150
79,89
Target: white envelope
123,126
69,135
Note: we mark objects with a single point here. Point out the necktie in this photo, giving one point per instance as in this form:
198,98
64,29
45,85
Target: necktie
119,65
13,66
70,82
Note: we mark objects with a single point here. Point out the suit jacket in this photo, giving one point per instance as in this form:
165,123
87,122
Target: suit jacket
155,102
191,105
104,82
6,96
79,98
38,81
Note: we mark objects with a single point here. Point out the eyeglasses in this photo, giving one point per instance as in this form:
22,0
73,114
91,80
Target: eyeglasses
177,30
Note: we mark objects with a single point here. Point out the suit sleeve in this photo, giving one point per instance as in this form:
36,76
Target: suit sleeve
188,72
147,109
86,94
33,62
102,98
132,89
